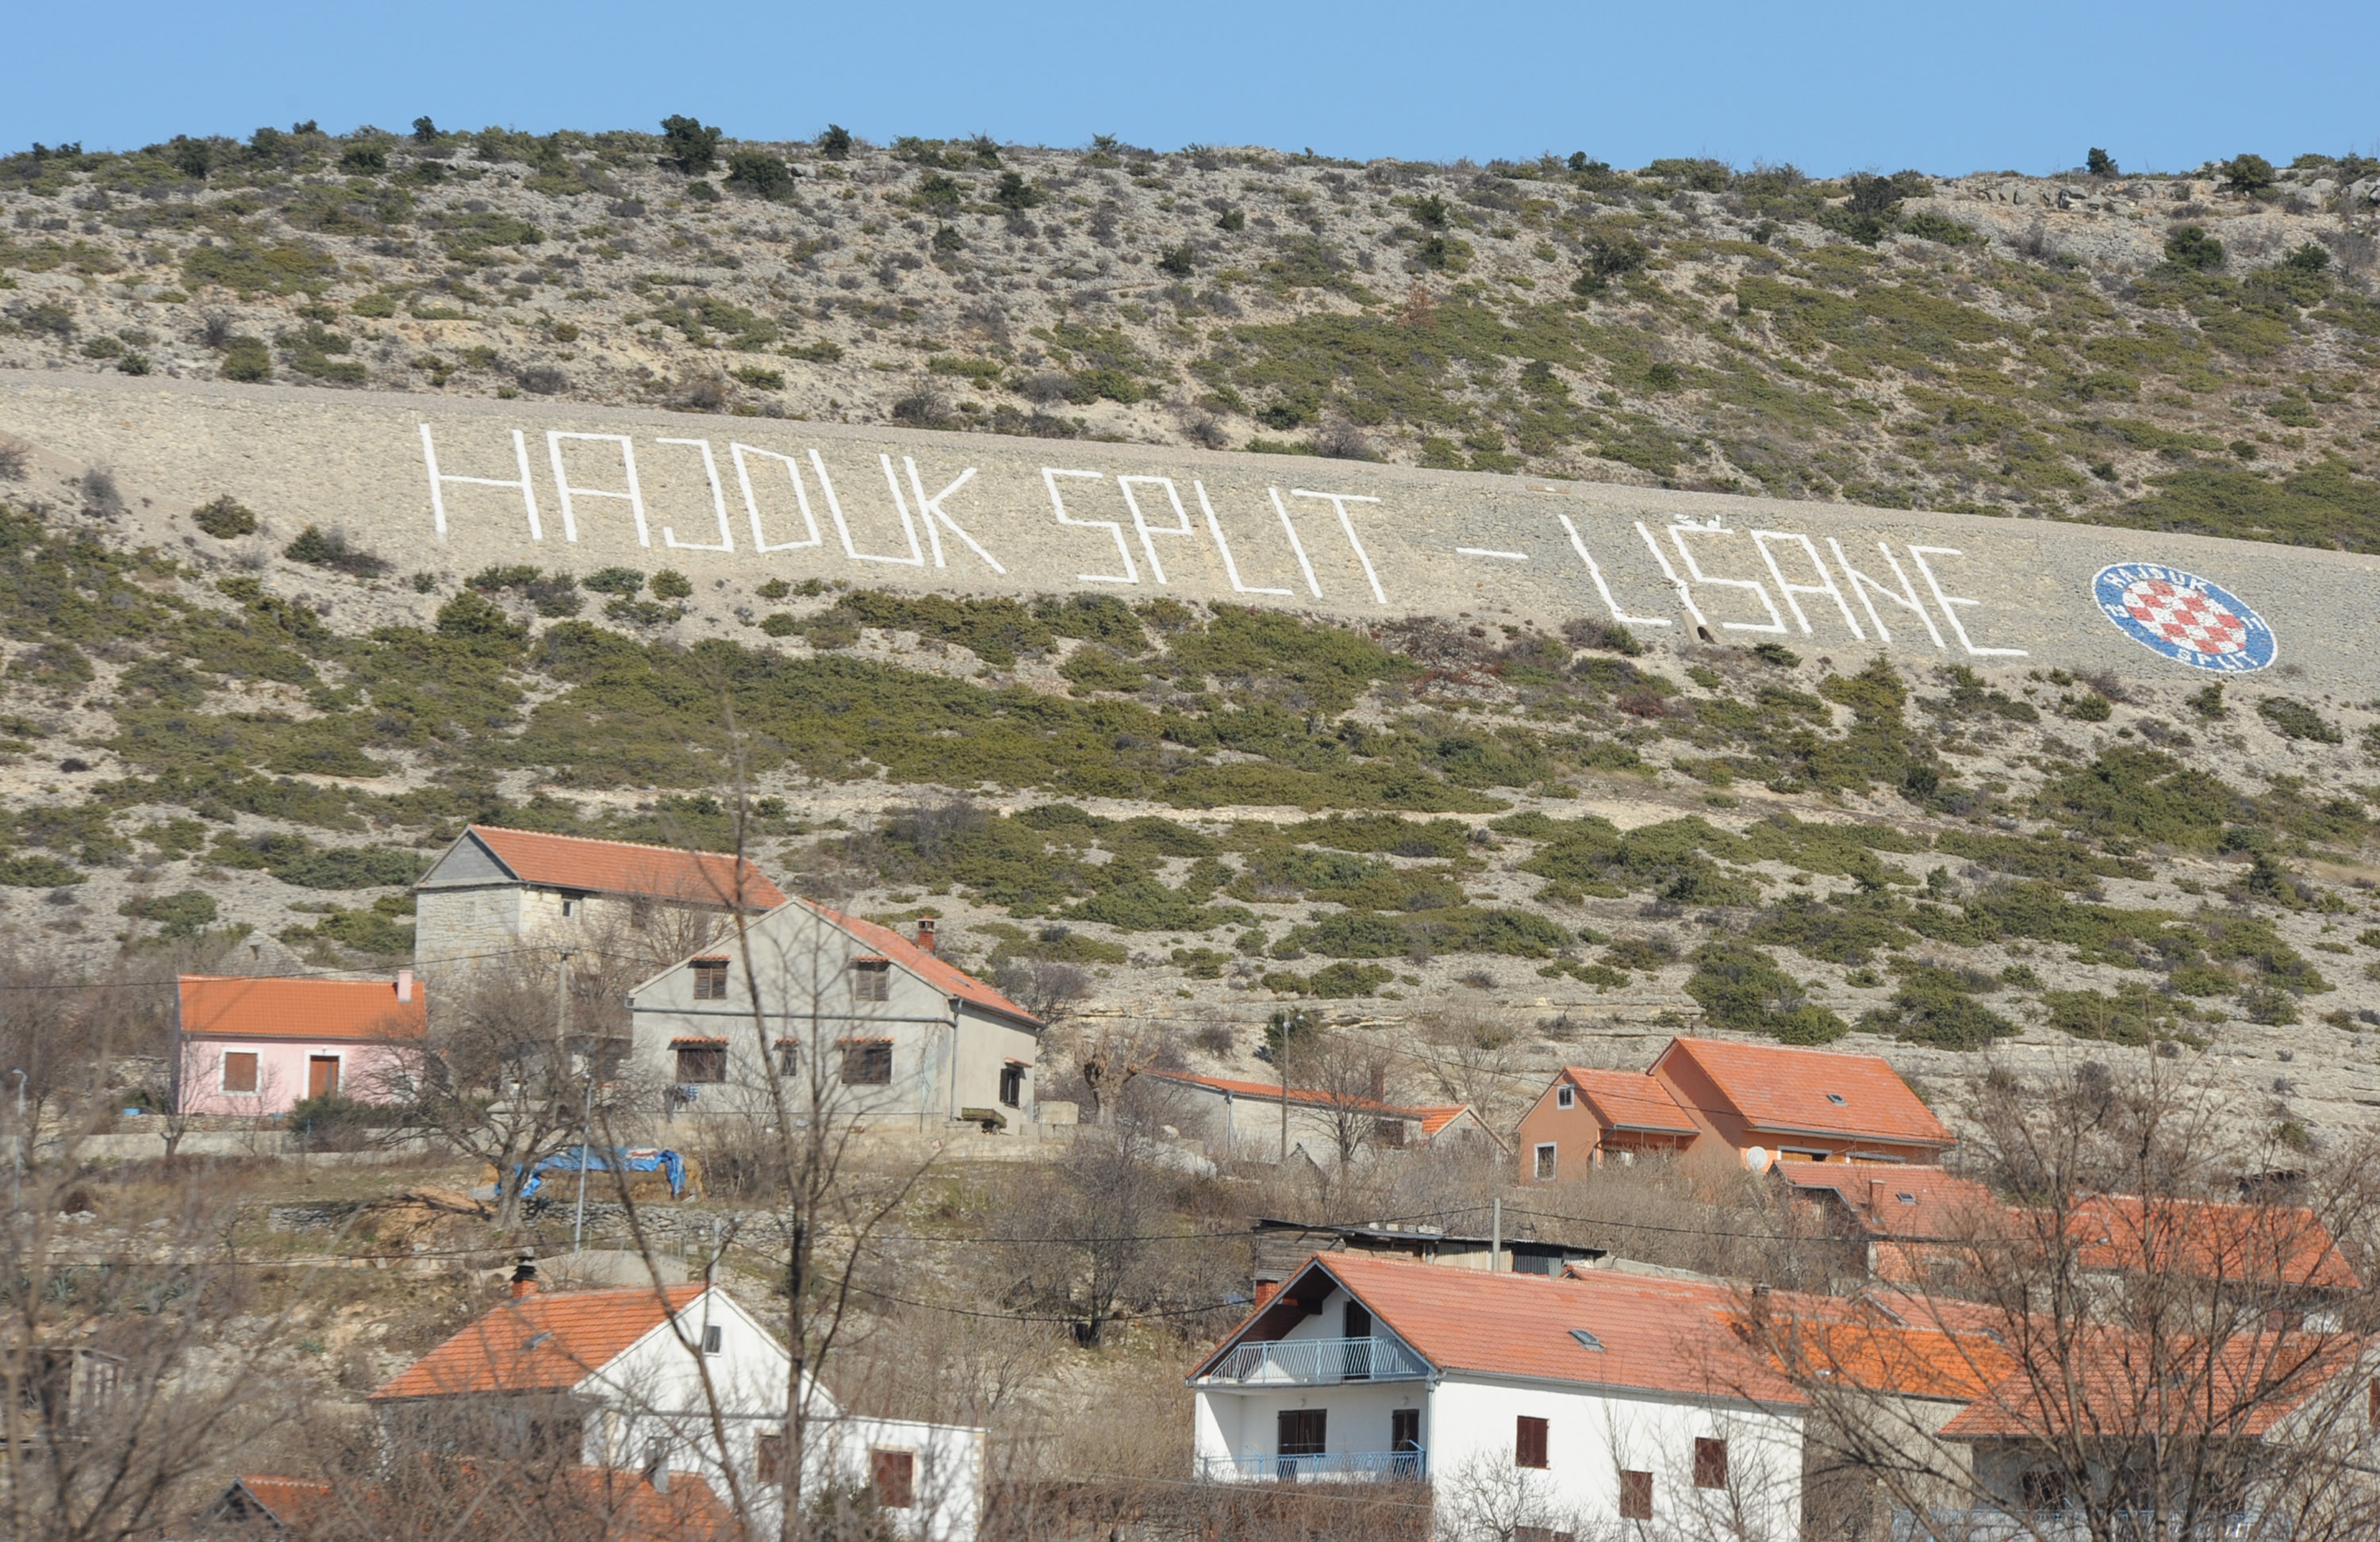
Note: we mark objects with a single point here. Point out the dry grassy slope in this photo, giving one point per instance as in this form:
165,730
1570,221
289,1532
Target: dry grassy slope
2048,366
1961,374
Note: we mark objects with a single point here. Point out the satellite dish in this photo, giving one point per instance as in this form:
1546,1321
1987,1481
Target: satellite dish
1755,1158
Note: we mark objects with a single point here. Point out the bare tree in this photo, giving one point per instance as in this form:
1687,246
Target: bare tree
1347,1077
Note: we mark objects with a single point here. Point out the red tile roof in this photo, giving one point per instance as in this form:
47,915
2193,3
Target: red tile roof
1656,1334
1627,1100
625,867
229,1006
610,1504
1782,1089
548,1341
1909,1203
1434,1117
2209,1240
291,1503
2119,1387
931,968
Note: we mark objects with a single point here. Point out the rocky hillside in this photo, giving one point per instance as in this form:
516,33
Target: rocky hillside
1500,849
2181,351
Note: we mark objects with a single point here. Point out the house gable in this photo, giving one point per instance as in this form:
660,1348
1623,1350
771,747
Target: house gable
466,864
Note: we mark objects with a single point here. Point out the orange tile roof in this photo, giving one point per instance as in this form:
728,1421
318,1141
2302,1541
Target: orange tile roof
1657,1334
1627,1100
2209,1240
625,867
2119,1387
291,1503
230,1006
1782,1089
1434,1117
613,1503
1889,1199
931,968
1888,1358
548,1341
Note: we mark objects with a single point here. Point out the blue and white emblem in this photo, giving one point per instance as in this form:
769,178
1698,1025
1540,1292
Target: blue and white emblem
2184,617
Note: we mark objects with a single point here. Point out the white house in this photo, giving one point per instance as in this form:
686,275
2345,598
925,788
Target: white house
494,889
1532,1405
847,1010
642,1381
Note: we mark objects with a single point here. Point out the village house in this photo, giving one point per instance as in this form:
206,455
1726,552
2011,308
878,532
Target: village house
258,1046
1245,1119
642,1381
1547,1404
1917,1226
897,1034
1582,1116
1283,1247
1754,1103
595,1504
494,889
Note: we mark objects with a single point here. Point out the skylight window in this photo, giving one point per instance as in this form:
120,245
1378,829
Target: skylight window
538,1339
1836,1098
1586,1340
1906,1197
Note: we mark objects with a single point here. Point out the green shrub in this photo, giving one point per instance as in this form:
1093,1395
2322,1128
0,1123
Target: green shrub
330,1122
835,143
226,518
1179,261
760,379
36,871
2312,257
2100,163
365,160
2292,719
670,584
2248,175
1742,989
177,916
377,931
293,859
2134,1015
332,551
1936,1006
2190,247
688,145
1927,225
1016,194
760,174
1333,982
247,359
626,582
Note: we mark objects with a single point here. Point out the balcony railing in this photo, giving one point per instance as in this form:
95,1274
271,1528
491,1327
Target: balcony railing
1317,1362
1370,1466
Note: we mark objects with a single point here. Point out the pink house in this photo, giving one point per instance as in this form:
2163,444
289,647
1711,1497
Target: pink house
258,1046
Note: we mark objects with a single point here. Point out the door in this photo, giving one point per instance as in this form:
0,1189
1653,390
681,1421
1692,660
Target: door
1303,1436
1356,1355
1405,1444
323,1077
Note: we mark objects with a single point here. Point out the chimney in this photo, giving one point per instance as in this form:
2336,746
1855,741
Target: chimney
1379,1083
1875,1198
1760,1305
1265,1291
524,1279
926,933
405,985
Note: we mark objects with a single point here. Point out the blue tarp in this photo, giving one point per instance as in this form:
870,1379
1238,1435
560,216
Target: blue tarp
607,1159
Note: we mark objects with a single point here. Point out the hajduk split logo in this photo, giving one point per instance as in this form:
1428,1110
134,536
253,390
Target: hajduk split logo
2184,617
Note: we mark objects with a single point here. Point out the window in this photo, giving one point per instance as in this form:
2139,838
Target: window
1540,1534
1566,1098
1012,1086
701,1061
1635,1496
1404,1445
871,980
710,979
2045,1489
867,1061
1711,1463
239,1071
788,1061
1388,1134
1836,1098
768,1459
1585,1340
570,908
712,1338
1546,1163
1529,1443
1302,1431
893,1476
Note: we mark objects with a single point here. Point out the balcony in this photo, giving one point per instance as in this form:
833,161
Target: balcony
1363,1466
1315,1363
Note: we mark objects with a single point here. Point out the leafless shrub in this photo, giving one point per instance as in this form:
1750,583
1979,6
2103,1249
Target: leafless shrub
99,494
1340,440
923,409
216,329
1045,989
15,456
1206,430
1044,390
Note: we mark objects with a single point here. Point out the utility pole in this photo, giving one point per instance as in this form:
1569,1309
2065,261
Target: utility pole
562,1058
586,1118
17,1149
1280,1063
1496,1240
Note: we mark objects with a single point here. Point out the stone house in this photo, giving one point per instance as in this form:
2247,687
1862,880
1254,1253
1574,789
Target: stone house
1245,1119
494,889
853,1016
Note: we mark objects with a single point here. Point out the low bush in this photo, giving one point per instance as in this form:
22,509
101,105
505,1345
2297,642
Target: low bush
226,518
331,550
1743,989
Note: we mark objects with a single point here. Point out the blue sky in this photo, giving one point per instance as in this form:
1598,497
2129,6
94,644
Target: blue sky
1830,87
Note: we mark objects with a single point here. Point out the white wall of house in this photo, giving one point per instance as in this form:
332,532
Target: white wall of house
947,1054
654,1391
1469,1426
